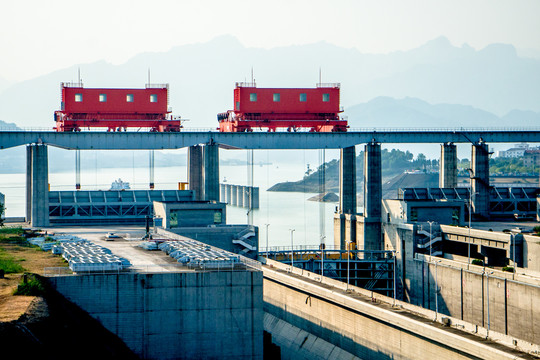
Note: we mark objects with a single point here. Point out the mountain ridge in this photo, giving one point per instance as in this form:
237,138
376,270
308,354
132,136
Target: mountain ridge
202,76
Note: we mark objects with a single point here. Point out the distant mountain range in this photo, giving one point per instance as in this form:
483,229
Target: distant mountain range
491,80
412,112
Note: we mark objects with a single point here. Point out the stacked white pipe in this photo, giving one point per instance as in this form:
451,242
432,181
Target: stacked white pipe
195,254
46,243
86,256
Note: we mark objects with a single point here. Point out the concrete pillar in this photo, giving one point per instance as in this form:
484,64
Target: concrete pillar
372,239
28,183
234,195
228,193
448,166
339,231
480,181
254,197
247,195
195,171
222,193
40,186
347,181
240,195
211,172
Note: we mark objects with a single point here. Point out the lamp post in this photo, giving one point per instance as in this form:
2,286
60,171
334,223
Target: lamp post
395,278
267,225
436,291
430,224
514,255
471,175
322,246
348,262
487,285
292,247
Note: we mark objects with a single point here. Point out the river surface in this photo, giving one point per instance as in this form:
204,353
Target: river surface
282,210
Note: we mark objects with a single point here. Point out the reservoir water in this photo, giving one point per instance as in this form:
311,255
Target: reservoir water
282,210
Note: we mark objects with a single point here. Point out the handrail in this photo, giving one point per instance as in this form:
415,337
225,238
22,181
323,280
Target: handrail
246,84
156,86
300,130
72,84
328,85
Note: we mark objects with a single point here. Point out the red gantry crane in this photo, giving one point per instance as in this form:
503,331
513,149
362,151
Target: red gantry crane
115,109
289,108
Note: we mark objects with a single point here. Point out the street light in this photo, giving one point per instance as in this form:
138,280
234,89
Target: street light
322,247
292,247
348,262
471,176
487,284
430,240
436,291
395,278
266,225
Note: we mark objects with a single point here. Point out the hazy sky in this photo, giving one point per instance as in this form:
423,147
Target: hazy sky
39,36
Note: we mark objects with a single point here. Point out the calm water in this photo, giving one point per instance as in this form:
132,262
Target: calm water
283,211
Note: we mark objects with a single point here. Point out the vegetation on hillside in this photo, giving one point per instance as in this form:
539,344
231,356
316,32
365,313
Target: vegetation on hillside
393,162
500,166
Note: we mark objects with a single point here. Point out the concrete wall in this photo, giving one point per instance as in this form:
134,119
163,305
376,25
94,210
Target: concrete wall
189,315
514,299
295,343
514,306
531,253
355,325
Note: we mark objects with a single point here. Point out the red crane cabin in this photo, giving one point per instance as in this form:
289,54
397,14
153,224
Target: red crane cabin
291,108
114,109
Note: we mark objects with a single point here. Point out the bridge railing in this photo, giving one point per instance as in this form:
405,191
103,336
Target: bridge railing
305,130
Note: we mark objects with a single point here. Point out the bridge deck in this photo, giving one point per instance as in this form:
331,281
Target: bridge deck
261,140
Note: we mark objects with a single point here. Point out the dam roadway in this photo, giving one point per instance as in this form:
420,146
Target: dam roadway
92,140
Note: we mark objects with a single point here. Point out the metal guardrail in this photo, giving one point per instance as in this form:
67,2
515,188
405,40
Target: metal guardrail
71,84
350,130
329,85
156,86
246,84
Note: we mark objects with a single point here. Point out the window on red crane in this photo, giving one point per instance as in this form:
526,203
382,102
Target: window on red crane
78,97
153,98
102,97
326,97
276,97
129,98
253,97
303,97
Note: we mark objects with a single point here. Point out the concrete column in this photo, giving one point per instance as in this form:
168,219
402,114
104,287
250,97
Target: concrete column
211,172
480,181
40,186
254,197
240,195
222,193
234,195
247,193
228,193
195,171
448,166
372,239
347,181
28,183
